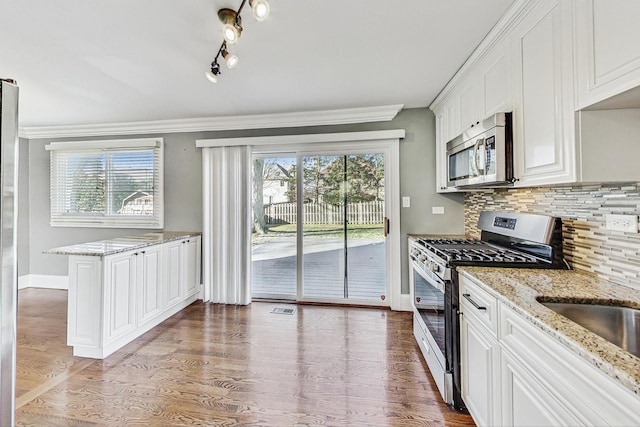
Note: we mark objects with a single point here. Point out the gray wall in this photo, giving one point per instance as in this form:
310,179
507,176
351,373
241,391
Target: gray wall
183,188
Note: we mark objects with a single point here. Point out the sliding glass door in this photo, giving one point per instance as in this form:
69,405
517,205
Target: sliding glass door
274,244
343,231
322,237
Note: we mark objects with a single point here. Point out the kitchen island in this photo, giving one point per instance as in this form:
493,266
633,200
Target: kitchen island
120,288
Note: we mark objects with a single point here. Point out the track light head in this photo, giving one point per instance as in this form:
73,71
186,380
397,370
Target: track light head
260,9
231,25
212,74
229,58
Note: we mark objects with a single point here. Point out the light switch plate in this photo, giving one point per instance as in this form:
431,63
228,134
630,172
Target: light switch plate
437,210
628,223
406,202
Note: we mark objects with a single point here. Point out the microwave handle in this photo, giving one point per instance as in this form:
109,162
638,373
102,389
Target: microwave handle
476,149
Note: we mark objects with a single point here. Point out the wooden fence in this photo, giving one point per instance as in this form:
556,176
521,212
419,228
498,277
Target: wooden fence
322,213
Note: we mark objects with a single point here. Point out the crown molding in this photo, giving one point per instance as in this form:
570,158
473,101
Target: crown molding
259,121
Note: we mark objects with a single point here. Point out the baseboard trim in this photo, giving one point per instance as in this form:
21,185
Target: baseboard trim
43,281
406,303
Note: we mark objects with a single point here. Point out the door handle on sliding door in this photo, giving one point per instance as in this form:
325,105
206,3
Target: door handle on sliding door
386,226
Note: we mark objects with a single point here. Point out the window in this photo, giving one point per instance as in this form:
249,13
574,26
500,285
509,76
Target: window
107,183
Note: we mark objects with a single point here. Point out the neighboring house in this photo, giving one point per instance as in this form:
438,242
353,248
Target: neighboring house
138,203
276,186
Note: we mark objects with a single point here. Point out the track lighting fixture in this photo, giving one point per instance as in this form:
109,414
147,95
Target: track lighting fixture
231,31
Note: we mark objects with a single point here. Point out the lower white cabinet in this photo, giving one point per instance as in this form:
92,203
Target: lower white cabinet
116,298
526,401
478,360
183,269
521,376
479,353
148,275
119,295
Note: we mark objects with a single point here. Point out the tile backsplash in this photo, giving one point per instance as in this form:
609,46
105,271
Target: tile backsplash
588,245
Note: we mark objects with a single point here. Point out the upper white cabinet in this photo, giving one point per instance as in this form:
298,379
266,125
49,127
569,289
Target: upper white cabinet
481,89
544,142
543,61
607,48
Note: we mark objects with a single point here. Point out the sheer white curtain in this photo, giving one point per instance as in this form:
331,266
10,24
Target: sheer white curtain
227,224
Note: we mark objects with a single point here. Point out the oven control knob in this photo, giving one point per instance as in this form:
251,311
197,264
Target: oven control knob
433,267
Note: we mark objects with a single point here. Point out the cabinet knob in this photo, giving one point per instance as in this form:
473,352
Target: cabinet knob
135,253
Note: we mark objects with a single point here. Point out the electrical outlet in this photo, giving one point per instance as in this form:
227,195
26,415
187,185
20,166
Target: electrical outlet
628,223
437,210
406,202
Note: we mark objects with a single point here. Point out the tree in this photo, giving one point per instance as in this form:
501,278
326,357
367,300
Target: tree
259,223
363,182
265,170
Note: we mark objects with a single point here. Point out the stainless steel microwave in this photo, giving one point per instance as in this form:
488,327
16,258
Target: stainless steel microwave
483,154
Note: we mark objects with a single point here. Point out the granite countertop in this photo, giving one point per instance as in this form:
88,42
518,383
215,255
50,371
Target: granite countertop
518,288
121,244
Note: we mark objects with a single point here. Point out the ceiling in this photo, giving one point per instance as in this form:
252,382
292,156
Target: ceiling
119,61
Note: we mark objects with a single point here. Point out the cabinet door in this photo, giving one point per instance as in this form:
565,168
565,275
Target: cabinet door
526,402
607,48
451,117
192,265
544,114
173,277
120,286
495,83
479,361
85,294
469,103
149,281
441,156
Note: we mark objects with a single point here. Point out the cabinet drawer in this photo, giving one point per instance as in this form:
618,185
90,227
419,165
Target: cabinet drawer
479,304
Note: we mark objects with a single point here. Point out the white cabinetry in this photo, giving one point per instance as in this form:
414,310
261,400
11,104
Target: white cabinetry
483,91
513,373
119,295
544,143
174,272
607,49
183,269
148,276
116,298
479,354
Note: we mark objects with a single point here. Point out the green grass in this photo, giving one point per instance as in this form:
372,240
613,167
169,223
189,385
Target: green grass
356,231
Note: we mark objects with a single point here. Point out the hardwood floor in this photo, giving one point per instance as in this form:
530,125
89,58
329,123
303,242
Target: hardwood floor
225,365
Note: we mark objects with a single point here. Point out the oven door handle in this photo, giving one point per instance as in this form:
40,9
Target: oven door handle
475,304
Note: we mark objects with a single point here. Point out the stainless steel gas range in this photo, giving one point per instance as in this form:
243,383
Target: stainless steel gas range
507,240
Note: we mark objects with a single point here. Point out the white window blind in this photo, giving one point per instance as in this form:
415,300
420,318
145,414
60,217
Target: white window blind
93,185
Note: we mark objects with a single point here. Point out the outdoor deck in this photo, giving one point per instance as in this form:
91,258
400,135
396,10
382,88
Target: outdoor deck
274,268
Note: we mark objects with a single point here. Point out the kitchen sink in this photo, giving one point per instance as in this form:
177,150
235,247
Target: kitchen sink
616,324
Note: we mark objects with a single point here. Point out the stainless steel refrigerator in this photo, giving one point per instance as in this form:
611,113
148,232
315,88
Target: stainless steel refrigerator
8,271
